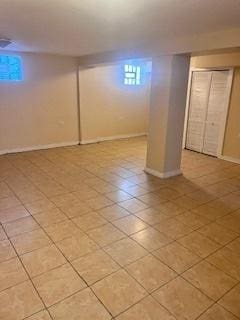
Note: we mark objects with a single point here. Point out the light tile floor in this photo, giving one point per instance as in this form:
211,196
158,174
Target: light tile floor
85,234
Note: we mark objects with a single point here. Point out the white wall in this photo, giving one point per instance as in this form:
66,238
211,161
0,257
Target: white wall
42,109
108,108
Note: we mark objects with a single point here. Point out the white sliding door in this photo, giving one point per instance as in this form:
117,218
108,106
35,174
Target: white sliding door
201,83
216,105
206,109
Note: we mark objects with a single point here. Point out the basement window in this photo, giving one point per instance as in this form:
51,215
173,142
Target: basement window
132,75
10,68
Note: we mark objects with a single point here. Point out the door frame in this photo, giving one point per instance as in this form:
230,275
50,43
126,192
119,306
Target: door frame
225,111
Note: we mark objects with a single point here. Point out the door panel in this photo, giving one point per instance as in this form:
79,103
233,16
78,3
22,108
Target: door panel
201,82
216,103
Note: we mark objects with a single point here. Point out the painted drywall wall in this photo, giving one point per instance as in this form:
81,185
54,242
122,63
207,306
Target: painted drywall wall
108,108
231,148
42,109
232,136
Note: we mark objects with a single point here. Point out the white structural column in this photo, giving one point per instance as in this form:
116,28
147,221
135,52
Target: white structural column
167,111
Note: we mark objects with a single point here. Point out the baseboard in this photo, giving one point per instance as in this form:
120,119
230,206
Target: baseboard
122,136
40,147
163,175
231,159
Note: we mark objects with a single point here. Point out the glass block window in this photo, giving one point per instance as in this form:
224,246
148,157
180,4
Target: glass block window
10,68
132,75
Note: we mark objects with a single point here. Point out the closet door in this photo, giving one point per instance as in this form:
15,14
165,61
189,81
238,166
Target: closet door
200,88
216,104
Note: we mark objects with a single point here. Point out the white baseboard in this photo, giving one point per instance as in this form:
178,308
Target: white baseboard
122,136
40,147
163,175
231,159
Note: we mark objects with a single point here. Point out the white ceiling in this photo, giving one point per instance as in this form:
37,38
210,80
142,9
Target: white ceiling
83,27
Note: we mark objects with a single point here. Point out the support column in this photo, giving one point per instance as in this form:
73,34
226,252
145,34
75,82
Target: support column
167,111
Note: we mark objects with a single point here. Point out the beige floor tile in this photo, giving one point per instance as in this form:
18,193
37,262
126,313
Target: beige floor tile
42,315
220,189
114,212
83,179
12,214
193,220
118,292
53,190
99,202
29,195
64,199
216,312
185,188
86,193
9,202
11,273
136,191
30,241
235,246
231,301
199,244
6,250
201,196
57,284
105,189
130,224
118,196
20,226
151,216
50,217
187,203
170,209
133,205
209,212
4,190
173,228
3,235
210,280
231,221
39,206
75,247
63,230
81,306
232,200
151,239
95,266
167,193
89,221
19,302
150,185
222,205
42,260
105,235
125,251
148,309
150,272
75,210
151,200
218,233
177,257
183,300
226,260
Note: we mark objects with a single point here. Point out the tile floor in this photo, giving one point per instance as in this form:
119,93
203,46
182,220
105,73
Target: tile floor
85,234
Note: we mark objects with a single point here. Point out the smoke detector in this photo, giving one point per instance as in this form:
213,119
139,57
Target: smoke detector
4,42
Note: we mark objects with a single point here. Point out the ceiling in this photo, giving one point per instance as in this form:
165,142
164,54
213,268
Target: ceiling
86,27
